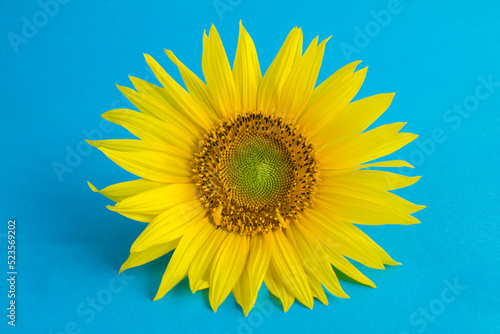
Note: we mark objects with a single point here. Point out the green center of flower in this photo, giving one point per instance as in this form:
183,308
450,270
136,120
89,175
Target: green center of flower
258,170
255,173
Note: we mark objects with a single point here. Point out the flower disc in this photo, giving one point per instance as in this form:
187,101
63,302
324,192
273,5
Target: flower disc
255,173
257,170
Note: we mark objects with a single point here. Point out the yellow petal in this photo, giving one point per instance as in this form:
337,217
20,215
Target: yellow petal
391,163
377,209
258,262
327,87
196,87
200,268
129,145
147,88
368,146
342,264
338,190
336,96
119,191
146,205
343,239
241,292
300,82
278,289
163,111
156,166
176,96
290,270
317,290
313,258
366,242
148,255
272,83
246,290
369,243
169,225
183,255
150,128
327,174
334,80
352,120
246,71
134,145
338,261
373,178
229,262
218,74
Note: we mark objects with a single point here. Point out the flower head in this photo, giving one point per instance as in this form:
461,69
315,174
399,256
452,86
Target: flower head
255,178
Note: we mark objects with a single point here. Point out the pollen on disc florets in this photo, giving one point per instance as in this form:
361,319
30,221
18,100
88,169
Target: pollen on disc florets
255,173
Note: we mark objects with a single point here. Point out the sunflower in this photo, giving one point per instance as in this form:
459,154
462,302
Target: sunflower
255,178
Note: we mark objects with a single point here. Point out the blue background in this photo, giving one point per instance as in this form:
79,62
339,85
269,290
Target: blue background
57,81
